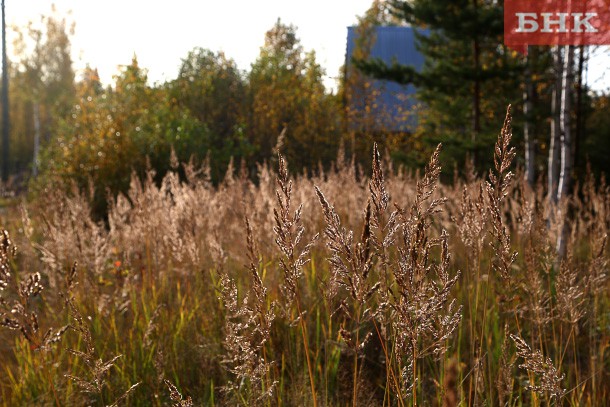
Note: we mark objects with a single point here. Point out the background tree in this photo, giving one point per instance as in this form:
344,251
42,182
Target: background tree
596,145
212,107
43,93
286,92
114,131
468,75
211,88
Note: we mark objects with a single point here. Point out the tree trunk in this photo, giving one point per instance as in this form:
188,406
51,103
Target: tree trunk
565,175
580,111
553,164
567,84
36,139
528,133
476,99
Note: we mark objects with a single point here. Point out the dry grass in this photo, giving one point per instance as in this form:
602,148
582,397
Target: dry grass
336,289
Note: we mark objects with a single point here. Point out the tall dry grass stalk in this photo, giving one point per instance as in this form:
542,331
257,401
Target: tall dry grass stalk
379,314
247,331
543,368
289,233
497,190
17,311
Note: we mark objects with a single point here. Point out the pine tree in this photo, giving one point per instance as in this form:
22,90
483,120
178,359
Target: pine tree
468,77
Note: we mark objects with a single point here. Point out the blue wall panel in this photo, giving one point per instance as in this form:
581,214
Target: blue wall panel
395,103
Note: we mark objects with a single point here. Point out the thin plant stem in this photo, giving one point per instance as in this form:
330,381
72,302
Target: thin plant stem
389,368
306,346
357,344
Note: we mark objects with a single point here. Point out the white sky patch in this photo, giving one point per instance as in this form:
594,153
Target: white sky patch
598,74
161,33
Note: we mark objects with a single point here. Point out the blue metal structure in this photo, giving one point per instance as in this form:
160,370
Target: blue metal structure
393,105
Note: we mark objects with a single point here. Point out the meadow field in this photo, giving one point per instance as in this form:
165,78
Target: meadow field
355,286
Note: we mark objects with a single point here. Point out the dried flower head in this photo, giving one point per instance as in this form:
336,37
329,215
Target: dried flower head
176,396
497,189
247,330
549,379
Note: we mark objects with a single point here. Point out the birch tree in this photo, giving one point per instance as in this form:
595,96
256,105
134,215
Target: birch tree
553,163
565,140
565,118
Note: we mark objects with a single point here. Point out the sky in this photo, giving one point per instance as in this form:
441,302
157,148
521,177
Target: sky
160,33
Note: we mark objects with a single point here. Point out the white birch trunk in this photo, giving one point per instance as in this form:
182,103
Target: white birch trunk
553,162
565,175
567,84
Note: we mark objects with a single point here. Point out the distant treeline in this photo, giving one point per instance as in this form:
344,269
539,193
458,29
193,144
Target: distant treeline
84,132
